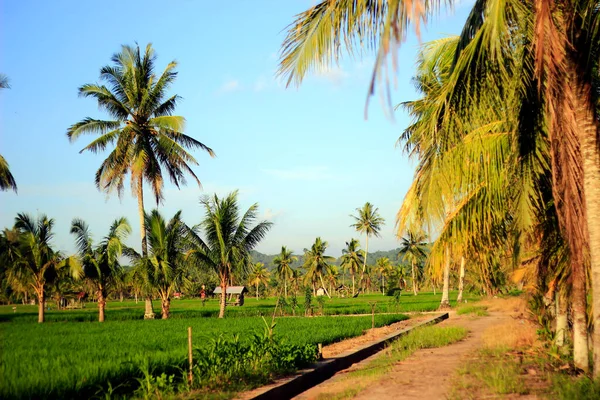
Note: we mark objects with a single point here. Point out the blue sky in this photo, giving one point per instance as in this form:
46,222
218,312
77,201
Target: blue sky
306,155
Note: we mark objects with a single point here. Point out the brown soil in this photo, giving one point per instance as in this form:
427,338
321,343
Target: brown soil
430,373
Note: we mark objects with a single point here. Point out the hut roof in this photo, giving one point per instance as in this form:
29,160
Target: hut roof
232,290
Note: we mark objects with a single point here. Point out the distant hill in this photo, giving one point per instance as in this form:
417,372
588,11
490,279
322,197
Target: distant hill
372,257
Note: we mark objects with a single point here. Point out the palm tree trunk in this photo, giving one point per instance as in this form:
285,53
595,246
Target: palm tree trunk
588,130
285,287
414,281
445,303
257,291
223,297
365,262
580,334
461,280
324,287
101,305
41,303
353,285
149,310
165,306
140,198
561,320
383,284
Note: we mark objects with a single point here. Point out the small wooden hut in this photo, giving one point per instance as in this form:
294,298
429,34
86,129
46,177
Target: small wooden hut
237,291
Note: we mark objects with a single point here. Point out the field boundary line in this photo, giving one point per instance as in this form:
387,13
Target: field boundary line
323,370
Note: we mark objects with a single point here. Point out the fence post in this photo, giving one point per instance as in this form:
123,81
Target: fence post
190,357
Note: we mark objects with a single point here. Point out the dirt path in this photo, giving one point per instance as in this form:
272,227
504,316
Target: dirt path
427,374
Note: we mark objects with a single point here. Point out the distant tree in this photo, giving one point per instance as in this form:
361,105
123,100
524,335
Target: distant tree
283,262
316,263
383,267
258,275
148,139
369,222
34,262
228,238
101,263
413,249
352,258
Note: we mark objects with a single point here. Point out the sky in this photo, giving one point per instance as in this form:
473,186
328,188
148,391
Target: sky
306,154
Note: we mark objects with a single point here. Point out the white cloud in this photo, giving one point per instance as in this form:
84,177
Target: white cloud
260,84
272,215
232,85
335,75
308,173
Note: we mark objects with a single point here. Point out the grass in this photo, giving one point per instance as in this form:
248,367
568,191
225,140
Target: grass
421,338
192,308
67,360
479,311
575,388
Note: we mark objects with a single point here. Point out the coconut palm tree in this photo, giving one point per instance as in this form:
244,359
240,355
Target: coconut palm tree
165,266
317,263
259,274
369,222
228,239
540,49
383,266
414,249
148,139
352,258
33,260
101,263
283,262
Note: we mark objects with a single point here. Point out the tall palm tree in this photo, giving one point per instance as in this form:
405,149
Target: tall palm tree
413,249
148,138
228,238
165,267
34,261
383,267
369,222
544,49
283,261
258,275
352,258
317,263
101,263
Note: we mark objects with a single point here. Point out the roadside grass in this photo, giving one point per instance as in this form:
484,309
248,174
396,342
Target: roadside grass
478,311
72,360
511,362
566,387
420,338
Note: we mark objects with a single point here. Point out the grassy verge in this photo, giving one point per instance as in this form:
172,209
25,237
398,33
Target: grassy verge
478,311
420,338
59,360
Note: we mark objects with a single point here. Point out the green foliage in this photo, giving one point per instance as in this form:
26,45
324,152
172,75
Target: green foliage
575,388
480,311
67,360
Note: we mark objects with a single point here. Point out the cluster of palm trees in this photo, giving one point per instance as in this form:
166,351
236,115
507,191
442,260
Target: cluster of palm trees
506,136
220,244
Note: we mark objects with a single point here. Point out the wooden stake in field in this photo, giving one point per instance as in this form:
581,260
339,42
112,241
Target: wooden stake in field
373,305
190,358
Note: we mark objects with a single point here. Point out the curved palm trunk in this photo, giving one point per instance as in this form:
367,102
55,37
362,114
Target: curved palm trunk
101,304
324,287
588,131
461,280
414,281
445,303
39,291
223,297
